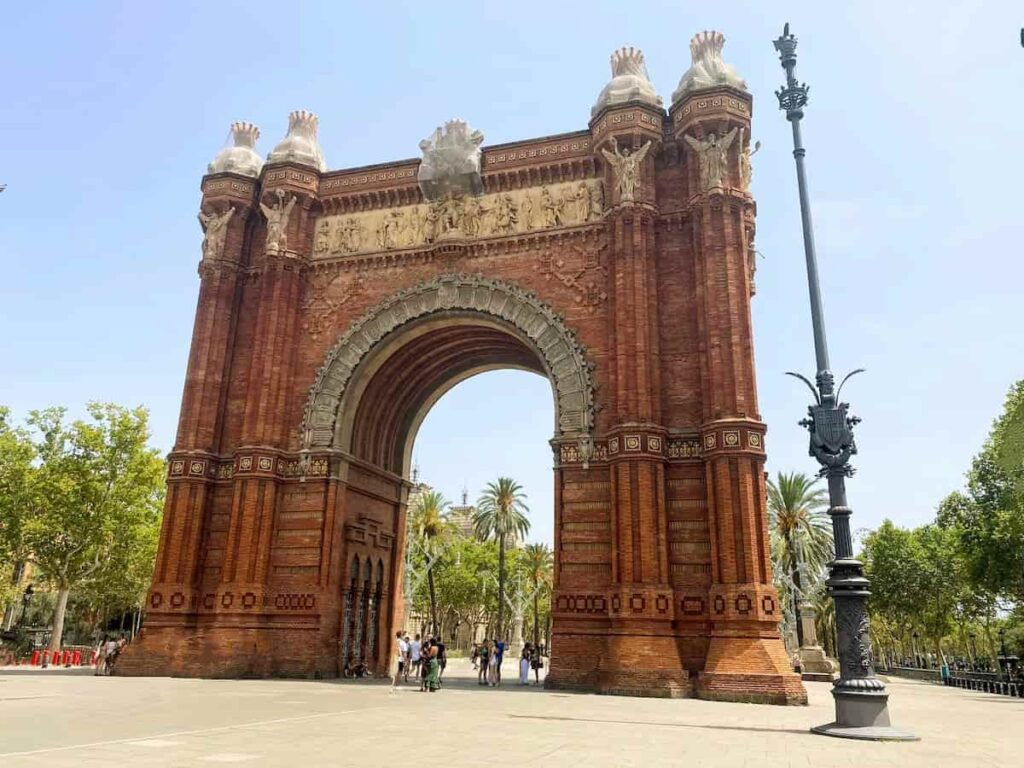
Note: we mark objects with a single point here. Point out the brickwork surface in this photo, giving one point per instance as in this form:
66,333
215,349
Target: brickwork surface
55,719
310,370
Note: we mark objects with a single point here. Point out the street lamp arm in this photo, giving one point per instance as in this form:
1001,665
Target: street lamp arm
805,380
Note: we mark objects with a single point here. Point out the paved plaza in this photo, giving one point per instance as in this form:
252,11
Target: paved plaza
62,718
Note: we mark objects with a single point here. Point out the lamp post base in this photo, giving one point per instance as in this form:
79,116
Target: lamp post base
863,716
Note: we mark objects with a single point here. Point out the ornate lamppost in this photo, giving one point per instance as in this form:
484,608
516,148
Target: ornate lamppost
861,700
26,598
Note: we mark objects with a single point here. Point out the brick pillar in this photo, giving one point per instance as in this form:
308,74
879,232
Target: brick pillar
746,659
173,598
265,429
642,654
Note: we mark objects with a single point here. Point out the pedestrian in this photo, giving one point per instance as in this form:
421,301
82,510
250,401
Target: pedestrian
415,654
425,650
408,656
492,665
483,653
101,657
110,655
537,662
431,678
402,653
475,657
524,665
499,650
442,658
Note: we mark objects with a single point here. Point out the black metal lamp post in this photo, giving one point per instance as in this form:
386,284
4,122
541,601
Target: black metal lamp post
974,648
861,700
1004,659
26,598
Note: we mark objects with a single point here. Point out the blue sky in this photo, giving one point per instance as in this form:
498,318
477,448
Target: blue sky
112,111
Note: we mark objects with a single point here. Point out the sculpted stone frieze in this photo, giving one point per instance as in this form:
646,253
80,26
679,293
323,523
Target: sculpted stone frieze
455,216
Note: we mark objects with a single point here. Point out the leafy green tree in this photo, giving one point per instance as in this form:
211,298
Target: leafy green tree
801,534
17,454
501,512
97,486
432,530
538,564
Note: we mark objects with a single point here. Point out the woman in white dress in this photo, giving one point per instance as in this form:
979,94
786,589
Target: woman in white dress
524,665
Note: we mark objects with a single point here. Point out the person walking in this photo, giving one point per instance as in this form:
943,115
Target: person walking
442,658
492,665
402,653
475,657
425,655
101,657
415,655
499,653
431,677
484,656
408,657
524,665
537,662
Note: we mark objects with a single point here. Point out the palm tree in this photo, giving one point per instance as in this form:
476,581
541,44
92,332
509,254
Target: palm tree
431,529
538,564
500,512
801,532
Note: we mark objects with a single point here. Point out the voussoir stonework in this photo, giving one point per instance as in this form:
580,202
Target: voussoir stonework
564,358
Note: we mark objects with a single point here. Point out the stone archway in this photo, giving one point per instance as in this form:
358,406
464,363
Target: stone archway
456,296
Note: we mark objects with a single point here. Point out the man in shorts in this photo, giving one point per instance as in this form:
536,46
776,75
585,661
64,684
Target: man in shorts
403,656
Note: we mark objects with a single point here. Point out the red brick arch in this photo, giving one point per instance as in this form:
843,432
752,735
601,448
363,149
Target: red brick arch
318,348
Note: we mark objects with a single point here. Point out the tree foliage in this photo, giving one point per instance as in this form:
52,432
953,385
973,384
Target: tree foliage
89,508
962,576
501,512
800,536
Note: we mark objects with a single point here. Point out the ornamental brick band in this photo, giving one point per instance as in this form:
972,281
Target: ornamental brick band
336,307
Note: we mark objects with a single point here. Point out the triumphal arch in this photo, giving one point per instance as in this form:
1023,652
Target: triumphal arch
335,307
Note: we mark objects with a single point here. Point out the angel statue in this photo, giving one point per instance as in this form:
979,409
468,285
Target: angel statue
746,169
712,157
277,223
626,165
215,230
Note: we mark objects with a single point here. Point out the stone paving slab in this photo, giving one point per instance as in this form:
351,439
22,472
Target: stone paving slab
72,718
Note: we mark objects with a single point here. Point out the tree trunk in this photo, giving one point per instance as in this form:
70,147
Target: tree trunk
501,585
433,599
536,616
57,627
797,588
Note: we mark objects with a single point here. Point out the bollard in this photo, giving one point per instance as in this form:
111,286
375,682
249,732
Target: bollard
76,658
35,658
65,658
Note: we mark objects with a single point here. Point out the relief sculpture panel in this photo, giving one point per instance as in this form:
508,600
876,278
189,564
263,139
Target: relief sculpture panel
458,217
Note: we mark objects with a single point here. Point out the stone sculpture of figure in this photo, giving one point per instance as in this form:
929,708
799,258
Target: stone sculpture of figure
430,221
550,209
597,201
353,235
405,232
277,222
505,217
526,211
626,165
322,243
565,206
746,169
471,213
215,230
583,204
451,214
386,231
712,157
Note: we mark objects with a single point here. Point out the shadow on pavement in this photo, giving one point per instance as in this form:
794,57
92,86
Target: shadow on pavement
755,729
